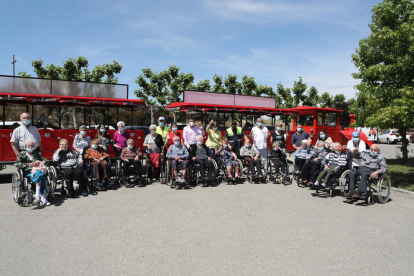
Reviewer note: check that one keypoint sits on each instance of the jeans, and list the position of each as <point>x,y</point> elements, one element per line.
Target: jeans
<point>364,172</point>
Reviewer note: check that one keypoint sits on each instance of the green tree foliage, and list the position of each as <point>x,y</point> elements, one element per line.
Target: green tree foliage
<point>232,85</point>
<point>165,87</point>
<point>325,100</point>
<point>76,70</point>
<point>218,85</point>
<point>298,91</point>
<point>385,61</point>
<point>311,98</point>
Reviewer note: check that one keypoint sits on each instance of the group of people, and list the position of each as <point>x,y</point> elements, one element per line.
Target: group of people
<point>188,148</point>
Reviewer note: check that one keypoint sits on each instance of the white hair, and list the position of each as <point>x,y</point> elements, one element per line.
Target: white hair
<point>25,145</point>
<point>120,123</point>
<point>199,137</point>
<point>259,120</point>
<point>82,127</point>
<point>336,144</point>
<point>305,141</point>
<point>152,126</point>
<point>320,143</point>
<point>130,141</point>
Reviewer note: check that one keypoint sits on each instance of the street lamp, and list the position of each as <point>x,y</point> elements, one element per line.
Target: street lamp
<point>13,62</point>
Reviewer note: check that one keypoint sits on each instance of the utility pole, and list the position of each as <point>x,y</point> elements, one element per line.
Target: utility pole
<point>13,62</point>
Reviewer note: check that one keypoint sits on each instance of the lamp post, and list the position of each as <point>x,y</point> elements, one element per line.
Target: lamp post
<point>13,62</point>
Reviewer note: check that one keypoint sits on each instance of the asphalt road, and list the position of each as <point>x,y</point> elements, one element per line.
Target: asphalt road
<point>246,229</point>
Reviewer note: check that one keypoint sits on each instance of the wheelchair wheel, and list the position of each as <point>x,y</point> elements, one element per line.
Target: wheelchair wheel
<point>16,186</point>
<point>384,188</point>
<point>163,172</point>
<point>241,166</point>
<point>343,182</point>
<point>52,176</point>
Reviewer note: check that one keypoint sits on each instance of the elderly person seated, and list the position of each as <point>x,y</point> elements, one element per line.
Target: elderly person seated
<point>155,145</point>
<point>332,163</point>
<point>301,153</point>
<point>70,163</point>
<point>201,155</point>
<point>229,159</point>
<point>130,156</point>
<point>29,160</point>
<point>313,163</point>
<point>251,155</point>
<point>278,157</point>
<point>372,164</point>
<point>178,153</point>
<point>81,141</point>
<point>99,160</point>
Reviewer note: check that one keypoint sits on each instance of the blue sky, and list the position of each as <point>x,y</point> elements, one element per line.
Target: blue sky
<point>273,41</point>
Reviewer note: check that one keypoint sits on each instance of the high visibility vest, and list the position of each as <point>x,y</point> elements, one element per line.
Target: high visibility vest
<point>163,135</point>
<point>239,134</point>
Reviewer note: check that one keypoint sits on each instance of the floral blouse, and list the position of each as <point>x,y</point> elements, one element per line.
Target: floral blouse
<point>94,153</point>
<point>23,159</point>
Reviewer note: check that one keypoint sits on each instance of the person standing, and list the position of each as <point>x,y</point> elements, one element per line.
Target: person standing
<point>190,133</point>
<point>299,136</point>
<point>279,136</point>
<point>259,135</point>
<point>120,138</point>
<point>162,130</point>
<point>214,136</point>
<point>25,133</point>
<point>234,134</point>
<point>104,140</point>
<point>173,132</point>
<point>45,124</point>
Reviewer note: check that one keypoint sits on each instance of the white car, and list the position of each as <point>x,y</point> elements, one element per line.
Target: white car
<point>390,136</point>
<point>96,127</point>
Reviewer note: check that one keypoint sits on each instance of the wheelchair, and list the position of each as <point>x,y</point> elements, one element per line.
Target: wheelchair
<point>381,186</point>
<point>58,177</point>
<point>196,174</point>
<point>169,177</point>
<point>246,171</point>
<point>90,179</point>
<point>332,181</point>
<point>297,173</point>
<point>278,178</point>
<point>221,173</point>
<point>131,180</point>
<point>23,188</point>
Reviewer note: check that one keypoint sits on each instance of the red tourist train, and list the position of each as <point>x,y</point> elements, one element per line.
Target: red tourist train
<point>69,104</point>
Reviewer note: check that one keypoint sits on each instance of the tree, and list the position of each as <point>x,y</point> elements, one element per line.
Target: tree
<point>218,84</point>
<point>298,91</point>
<point>232,85</point>
<point>385,61</point>
<point>325,100</point>
<point>165,87</point>
<point>311,98</point>
<point>76,70</point>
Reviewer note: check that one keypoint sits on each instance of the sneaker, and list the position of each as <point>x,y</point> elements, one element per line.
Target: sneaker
<point>111,183</point>
<point>46,203</point>
<point>321,188</point>
<point>84,194</point>
<point>36,199</point>
<point>99,184</point>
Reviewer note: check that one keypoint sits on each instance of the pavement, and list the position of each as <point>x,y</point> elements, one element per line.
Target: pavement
<point>245,229</point>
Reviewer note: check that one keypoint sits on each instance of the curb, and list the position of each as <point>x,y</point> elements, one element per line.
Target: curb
<point>402,191</point>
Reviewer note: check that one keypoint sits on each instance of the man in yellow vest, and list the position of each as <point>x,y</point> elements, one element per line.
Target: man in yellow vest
<point>235,136</point>
<point>162,129</point>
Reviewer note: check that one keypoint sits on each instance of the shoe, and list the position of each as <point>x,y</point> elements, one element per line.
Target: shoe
<point>321,188</point>
<point>36,199</point>
<point>349,194</point>
<point>111,183</point>
<point>46,203</point>
<point>99,184</point>
<point>71,195</point>
<point>357,194</point>
<point>84,194</point>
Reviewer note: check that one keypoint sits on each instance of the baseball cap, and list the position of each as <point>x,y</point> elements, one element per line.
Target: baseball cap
<point>234,123</point>
<point>161,119</point>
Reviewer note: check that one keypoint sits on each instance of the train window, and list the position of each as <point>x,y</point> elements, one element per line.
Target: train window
<point>43,112</point>
<point>320,116</point>
<point>330,119</point>
<point>306,120</point>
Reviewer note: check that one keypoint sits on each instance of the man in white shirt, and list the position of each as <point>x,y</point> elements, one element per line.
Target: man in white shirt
<point>259,135</point>
<point>24,133</point>
<point>354,148</point>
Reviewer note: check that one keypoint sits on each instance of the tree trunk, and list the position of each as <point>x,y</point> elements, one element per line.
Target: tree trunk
<point>404,144</point>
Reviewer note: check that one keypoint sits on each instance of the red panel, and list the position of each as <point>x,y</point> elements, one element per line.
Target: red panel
<point>6,152</point>
<point>50,142</point>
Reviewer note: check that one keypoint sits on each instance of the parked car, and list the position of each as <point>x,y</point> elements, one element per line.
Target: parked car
<point>412,137</point>
<point>391,136</point>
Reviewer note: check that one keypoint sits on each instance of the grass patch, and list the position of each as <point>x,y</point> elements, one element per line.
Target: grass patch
<point>401,173</point>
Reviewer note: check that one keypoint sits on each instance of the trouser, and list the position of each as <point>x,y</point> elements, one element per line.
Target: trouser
<point>326,172</point>
<point>299,163</point>
<point>254,163</point>
<point>136,170</point>
<point>279,165</point>
<point>203,164</point>
<point>69,173</point>
<point>364,172</point>
<point>236,150</point>
<point>263,156</point>
<point>105,168</point>
<point>39,176</point>
<point>309,170</point>
<point>174,164</point>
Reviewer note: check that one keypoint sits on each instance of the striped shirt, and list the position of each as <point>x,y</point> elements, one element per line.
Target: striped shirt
<point>24,134</point>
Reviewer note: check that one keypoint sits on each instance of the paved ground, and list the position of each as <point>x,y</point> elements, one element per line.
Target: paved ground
<point>247,229</point>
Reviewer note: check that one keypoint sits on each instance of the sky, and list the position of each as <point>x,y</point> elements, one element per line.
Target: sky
<point>274,41</point>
